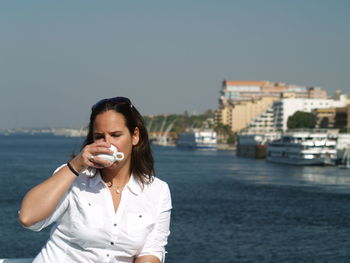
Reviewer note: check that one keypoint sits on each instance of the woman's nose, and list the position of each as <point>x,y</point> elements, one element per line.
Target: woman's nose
<point>107,139</point>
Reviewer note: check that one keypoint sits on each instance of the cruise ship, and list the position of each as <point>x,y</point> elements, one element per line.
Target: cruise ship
<point>198,139</point>
<point>304,148</point>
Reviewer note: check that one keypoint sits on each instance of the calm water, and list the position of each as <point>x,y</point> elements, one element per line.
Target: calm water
<point>226,209</point>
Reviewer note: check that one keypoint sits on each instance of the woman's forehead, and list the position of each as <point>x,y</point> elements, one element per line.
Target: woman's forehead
<point>109,120</point>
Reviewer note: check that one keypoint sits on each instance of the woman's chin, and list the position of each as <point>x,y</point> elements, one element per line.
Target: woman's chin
<point>112,166</point>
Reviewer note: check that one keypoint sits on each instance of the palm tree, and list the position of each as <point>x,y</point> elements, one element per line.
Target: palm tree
<point>224,133</point>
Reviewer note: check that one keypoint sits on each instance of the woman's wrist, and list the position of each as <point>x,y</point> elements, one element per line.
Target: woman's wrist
<point>75,165</point>
<point>71,168</point>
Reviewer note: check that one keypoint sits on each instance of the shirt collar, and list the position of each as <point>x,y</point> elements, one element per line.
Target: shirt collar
<point>95,178</point>
<point>133,184</point>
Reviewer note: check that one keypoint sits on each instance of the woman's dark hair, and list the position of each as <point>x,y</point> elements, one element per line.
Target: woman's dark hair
<point>142,164</point>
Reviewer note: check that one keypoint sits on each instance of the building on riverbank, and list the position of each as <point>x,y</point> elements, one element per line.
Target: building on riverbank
<point>242,113</point>
<point>342,118</point>
<point>286,107</point>
<point>336,118</point>
<point>248,104</point>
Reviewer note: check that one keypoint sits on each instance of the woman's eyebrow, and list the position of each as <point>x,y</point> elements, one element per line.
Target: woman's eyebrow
<point>109,132</point>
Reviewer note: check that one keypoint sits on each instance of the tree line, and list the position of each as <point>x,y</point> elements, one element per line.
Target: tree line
<point>178,123</point>
<point>307,120</point>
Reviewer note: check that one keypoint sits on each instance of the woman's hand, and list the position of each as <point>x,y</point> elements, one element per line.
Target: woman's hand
<point>87,157</point>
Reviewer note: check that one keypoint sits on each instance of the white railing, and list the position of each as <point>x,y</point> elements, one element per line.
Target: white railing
<point>16,260</point>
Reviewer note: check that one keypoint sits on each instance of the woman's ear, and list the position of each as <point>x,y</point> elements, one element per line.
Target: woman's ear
<point>136,136</point>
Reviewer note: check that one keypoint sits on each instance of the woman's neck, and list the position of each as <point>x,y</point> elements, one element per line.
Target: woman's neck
<point>119,176</point>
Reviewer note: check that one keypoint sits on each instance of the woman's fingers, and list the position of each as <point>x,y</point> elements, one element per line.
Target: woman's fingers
<point>100,163</point>
<point>90,151</point>
<point>87,157</point>
<point>94,150</point>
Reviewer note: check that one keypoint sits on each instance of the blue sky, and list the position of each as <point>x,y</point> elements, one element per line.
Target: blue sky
<point>58,58</point>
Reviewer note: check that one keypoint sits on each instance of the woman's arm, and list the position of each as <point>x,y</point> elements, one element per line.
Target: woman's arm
<point>153,250</point>
<point>41,201</point>
<point>147,259</point>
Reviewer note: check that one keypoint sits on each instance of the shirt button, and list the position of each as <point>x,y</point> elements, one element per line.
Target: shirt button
<point>107,255</point>
<point>112,243</point>
<point>115,225</point>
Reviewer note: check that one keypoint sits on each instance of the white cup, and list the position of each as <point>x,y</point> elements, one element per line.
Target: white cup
<point>116,156</point>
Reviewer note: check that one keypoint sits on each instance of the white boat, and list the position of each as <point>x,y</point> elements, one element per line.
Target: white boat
<point>163,138</point>
<point>198,139</point>
<point>345,160</point>
<point>304,148</point>
<point>163,141</point>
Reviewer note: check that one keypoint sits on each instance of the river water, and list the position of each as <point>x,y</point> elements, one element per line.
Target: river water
<point>225,208</point>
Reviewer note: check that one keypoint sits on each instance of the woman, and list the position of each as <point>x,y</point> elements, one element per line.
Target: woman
<point>103,211</point>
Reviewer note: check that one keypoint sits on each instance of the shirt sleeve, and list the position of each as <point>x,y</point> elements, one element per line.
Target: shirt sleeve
<point>158,237</point>
<point>57,213</point>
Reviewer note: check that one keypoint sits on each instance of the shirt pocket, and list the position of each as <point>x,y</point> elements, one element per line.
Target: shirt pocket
<point>139,224</point>
<point>89,214</point>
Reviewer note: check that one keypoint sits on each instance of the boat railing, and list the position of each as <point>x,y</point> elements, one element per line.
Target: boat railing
<point>16,260</point>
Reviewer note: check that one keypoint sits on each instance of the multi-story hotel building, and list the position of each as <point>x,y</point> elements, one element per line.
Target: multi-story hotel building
<point>245,104</point>
<point>242,113</point>
<point>263,123</point>
<point>286,107</point>
<point>246,90</point>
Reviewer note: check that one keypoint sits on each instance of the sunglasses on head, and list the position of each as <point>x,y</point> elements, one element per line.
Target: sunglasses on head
<point>115,100</point>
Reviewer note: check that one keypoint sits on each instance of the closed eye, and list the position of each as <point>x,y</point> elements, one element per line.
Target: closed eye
<point>98,137</point>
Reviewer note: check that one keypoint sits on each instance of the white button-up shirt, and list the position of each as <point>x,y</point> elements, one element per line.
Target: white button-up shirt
<point>87,229</point>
